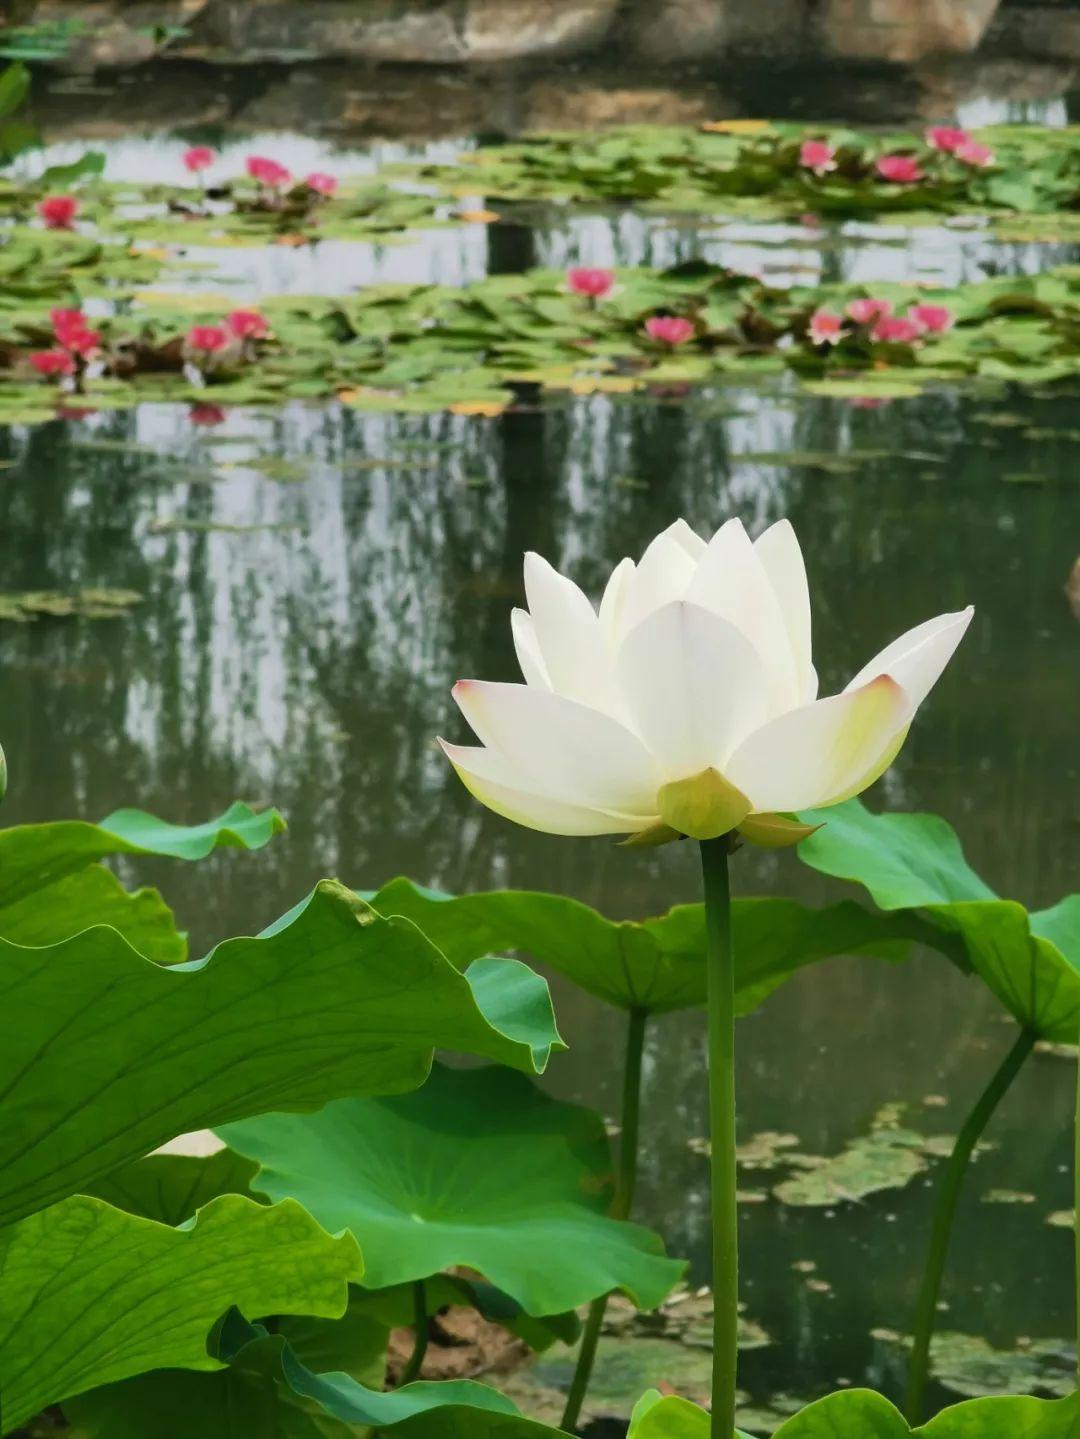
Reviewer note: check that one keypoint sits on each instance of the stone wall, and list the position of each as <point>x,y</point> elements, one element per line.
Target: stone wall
<point>124,33</point>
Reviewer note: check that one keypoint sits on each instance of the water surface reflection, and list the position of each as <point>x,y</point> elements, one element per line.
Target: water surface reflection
<point>305,656</point>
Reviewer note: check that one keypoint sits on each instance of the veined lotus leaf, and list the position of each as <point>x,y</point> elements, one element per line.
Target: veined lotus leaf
<point>862,1414</point>
<point>107,1055</point>
<point>35,855</point>
<point>914,862</point>
<point>656,965</point>
<point>270,1390</point>
<point>93,896</point>
<point>171,1187</point>
<point>91,1294</point>
<point>479,1168</point>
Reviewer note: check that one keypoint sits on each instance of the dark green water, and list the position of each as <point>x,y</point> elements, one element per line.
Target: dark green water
<point>308,662</point>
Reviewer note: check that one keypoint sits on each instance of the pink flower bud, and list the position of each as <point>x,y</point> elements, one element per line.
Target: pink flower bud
<point>58,211</point>
<point>669,329</point>
<point>322,184</point>
<point>199,157</point>
<point>867,312</point>
<point>896,330</point>
<point>934,319</point>
<point>898,169</point>
<point>73,333</point>
<point>946,138</point>
<point>818,156</point>
<point>825,328</point>
<point>594,284</point>
<point>53,363</point>
<point>207,339</point>
<point>247,324</point>
<point>972,153</point>
<point>206,414</point>
<point>267,172</point>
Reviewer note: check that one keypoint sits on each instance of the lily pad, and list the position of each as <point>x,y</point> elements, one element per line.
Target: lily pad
<point>968,1364</point>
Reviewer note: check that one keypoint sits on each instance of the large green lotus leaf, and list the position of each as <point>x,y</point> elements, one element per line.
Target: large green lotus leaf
<point>89,1294</point>
<point>35,855</point>
<point>270,1391</point>
<point>479,1168</point>
<point>655,965</point>
<point>171,1187</point>
<point>914,862</point>
<point>105,1055</point>
<point>863,1414</point>
<point>95,896</point>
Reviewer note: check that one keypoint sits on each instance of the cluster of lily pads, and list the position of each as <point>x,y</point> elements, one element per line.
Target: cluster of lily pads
<point>768,169</point>
<point>479,347</point>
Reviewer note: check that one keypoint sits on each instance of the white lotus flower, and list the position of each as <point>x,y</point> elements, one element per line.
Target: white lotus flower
<point>688,705</point>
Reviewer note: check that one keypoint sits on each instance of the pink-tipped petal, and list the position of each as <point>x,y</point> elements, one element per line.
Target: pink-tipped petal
<point>916,660</point>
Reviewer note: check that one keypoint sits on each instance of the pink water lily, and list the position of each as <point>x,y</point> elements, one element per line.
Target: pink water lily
<point>934,319</point>
<point>248,324</point>
<point>898,169</point>
<point>825,328</point>
<point>73,333</point>
<point>594,284</point>
<point>669,330</point>
<point>199,158</point>
<point>321,183</point>
<point>946,137</point>
<point>206,415</point>
<point>897,330</point>
<point>267,172</point>
<point>688,704</point>
<point>867,312</point>
<point>972,153</point>
<point>818,156</point>
<point>53,364</point>
<point>207,339</point>
<point>58,211</point>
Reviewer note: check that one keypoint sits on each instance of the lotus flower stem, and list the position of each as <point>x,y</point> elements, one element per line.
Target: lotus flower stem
<point>945,1212</point>
<point>420,1335</point>
<point>1076,1228</point>
<point>620,1208</point>
<point>725,1220</point>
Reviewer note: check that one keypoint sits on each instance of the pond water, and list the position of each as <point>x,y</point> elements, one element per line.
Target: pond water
<point>315,579</point>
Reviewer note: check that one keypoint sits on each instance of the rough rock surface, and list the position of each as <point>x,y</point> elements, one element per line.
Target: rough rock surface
<point>904,31</point>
